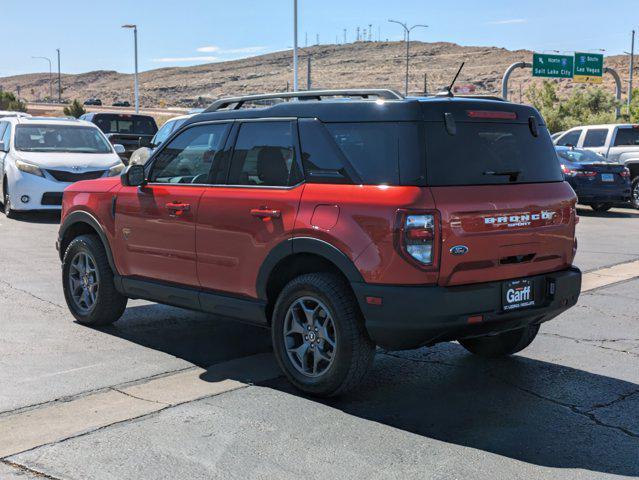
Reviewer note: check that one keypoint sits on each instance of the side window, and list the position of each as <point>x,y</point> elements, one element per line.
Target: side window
<point>323,162</point>
<point>627,137</point>
<point>570,139</point>
<point>7,135</point>
<point>189,156</point>
<point>264,155</point>
<point>163,133</point>
<point>3,125</point>
<point>596,137</point>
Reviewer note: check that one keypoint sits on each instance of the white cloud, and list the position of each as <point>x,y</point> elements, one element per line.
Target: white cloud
<point>208,49</point>
<point>202,58</point>
<point>511,21</point>
<point>231,51</point>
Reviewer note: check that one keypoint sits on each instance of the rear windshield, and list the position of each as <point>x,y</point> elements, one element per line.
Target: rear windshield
<point>489,153</point>
<point>126,124</point>
<point>627,137</point>
<point>60,138</point>
<point>582,156</point>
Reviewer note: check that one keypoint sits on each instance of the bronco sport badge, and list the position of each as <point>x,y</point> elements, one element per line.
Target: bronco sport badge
<point>521,220</point>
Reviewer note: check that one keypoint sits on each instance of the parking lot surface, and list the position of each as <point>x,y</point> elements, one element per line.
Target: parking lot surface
<point>167,393</point>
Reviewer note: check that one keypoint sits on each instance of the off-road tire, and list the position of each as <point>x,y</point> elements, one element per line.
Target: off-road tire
<point>502,345</point>
<point>109,304</point>
<point>354,350</point>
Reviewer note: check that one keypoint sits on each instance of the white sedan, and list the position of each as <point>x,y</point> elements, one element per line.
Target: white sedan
<point>40,157</point>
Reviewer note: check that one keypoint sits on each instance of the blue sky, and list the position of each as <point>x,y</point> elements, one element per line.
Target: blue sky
<point>188,32</point>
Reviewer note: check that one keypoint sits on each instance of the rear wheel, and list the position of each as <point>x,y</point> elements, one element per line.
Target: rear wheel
<point>8,209</point>
<point>601,207</point>
<point>87,281</point>
<point>504,344</point>
<point>635,193</point>
<point>319,337</point>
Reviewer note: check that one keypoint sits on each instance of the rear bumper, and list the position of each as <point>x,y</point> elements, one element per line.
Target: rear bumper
<point>410,317</point>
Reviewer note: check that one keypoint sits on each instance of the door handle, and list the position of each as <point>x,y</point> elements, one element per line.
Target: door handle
<point>176,209</point>
<point>265,213</point>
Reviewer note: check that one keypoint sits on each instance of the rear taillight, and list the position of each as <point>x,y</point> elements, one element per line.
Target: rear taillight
<point>625,173</point>
<point>491,114</point>
<point>418,234</point>
<point>569,172</point>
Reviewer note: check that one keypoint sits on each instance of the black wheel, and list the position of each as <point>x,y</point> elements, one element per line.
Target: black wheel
<point>601,207</point>
<point>504,344</point>
<point>6,202</point>
<point>87,281</point>
<point>635,193</point>
<point>319,337</point>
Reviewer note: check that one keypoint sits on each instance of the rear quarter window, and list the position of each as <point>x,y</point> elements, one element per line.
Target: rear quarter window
<point>627,137</point>
<point>489,154</point>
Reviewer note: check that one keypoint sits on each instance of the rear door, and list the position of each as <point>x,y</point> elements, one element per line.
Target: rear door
<point>596,140</point>
<point>155,224</point>
<point>624,145</point>
<point>501,195</point>
<point>243,217</point>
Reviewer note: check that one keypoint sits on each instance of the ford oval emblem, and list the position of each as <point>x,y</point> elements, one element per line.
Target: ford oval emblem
<point>459,250</point>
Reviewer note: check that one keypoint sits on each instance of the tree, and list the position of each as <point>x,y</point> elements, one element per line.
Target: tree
<point>8,101</point>
<point>74,110</point>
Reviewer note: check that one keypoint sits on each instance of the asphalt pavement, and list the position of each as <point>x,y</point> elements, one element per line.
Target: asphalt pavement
<point>167,393</point>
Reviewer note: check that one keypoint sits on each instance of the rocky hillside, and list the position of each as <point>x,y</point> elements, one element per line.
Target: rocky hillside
<point>361,64</point>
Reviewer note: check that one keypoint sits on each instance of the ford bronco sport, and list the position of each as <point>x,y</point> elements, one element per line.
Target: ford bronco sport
<point>342,224</point>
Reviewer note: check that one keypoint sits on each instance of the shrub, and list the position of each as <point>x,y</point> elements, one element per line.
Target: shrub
<point>75,109</point>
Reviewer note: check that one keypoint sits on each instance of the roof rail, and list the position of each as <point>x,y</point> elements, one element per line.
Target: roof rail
<point>235,103</point>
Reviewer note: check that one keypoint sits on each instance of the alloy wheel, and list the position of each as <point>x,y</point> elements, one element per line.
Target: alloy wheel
<point>309,336</point>
<point>635,195</point>
<point>84,282</point>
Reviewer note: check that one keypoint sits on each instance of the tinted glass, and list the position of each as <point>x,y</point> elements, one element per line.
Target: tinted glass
<point>264,155</point>
<point>163,133</point>
<point>627,137</point>
<point>581,156</point>
<point>570,138</point>
<point>60,138</point>
<point>188,158</point>
<point>126,124</point>
<point>489,154</point>
<point>595,137</point>
<point>3,125</point>
<point>323,162</point>
<point>7,135</point>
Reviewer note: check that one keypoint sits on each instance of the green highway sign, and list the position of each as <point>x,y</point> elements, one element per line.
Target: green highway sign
<point>552,66</point>
<point>589,67</point>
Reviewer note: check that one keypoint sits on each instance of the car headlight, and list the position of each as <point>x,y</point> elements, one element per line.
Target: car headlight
<point>116,170</point>
<point>28,168</point>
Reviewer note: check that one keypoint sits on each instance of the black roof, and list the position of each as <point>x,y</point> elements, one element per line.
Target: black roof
<point>404,110</point>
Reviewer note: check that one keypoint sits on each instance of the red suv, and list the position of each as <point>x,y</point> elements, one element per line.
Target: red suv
<point>342,224</point>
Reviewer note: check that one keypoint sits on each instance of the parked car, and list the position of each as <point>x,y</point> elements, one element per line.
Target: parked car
<point>556,135</point>
<point>121,103</point>
<point>12,113</point>
<point>618,143</point>
<point>93,101</point>
<point>40,157</point>
<point>142,154</point>
<point>598,182</point>
<point>342,225</point>
<point>132,131</point>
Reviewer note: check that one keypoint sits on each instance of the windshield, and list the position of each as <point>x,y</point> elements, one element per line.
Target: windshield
<point>126,124</point>
<point>582,156</point>
<point>60,138</point>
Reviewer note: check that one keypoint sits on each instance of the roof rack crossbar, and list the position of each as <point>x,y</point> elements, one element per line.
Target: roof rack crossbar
<point>235,103</point>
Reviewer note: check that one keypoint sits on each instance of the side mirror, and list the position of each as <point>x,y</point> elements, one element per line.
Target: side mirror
<point>140,156</point>
<point>133,176</point>
<point>119,149</point>
<point>144,142</point>
<point>3,148</point>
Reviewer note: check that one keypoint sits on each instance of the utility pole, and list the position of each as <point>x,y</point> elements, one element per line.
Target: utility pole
<point>309,82</point>
<point>135,81</point>
<point>345,36</point>
<point>632,69</point>
<point>306,39</point>
<point>295,77</point>
<point>50,80</point>
<point>357,38</point>
<point>425,83</point>
<point>59,78</point>
<point>407,31</point>
<point>317,39</point>
<point>370,32</point>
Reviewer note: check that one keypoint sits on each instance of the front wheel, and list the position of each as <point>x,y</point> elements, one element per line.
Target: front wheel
<point>601,207</point>
<point>635,193</point>
<point>501,345</point>
<point>8,208</point>
<point>87,281</point>
<point>319,337</point>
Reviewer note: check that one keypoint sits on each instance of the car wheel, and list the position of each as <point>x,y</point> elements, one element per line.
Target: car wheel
<point>601,207</point>
<point>504,344</point>
<point>319,337</point>
<point>635,193</point>
<point>6,201</point>
<point>87,281</point>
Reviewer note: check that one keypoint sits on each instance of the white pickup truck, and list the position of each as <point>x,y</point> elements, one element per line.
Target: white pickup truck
<point>618,143</point>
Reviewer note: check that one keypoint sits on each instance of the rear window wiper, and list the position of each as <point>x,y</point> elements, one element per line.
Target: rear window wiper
<point>512,175</point>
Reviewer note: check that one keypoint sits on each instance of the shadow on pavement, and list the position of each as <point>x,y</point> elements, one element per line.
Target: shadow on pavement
<point>615,213</point>
<point>528,410</point>
<point>50,217</point>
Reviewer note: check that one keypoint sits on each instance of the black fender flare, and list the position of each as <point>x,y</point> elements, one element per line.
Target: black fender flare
<point>310,245</point>
<point>81,216</point>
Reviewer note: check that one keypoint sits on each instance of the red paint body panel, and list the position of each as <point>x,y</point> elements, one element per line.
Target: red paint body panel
<point>232,242</point>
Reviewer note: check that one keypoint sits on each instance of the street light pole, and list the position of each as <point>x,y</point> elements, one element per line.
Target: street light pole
<point>59,78</point>
<point>632,68</point>
<point>50,83</point>
<point>295,73</point>
<point>135,81</point>
<point>407,31</point>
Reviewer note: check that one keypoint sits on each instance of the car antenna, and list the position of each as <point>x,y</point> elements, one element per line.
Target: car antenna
<point>448,91</point>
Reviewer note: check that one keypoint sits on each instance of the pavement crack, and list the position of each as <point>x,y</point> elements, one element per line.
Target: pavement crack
<point>138,398</point>
<point>32,295</point>
<point>619,399</point>
<point>593,342</point>
<point>31,471</point>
